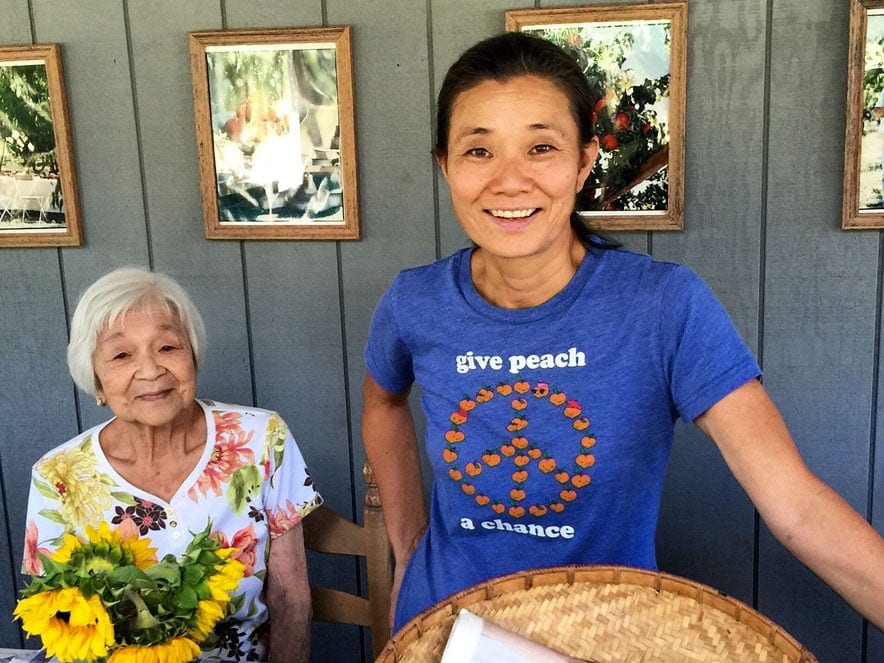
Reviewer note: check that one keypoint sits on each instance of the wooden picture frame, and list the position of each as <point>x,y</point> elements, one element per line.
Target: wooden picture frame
<point>39,198</point>
<point>276,133</point>
<point>863,197</point>
<point>637,182</point>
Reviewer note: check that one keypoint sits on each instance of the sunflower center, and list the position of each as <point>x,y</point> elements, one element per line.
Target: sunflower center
<point>99,565</point>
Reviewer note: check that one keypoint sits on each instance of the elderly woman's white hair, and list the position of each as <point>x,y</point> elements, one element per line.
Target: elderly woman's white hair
<point>115,294</point>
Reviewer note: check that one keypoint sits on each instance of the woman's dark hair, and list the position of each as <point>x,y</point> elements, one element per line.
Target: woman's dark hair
<point>507,56</point>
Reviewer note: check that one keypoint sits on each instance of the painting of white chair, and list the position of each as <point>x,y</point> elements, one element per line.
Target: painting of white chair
<point>35,194</point>
<point>8,200</point>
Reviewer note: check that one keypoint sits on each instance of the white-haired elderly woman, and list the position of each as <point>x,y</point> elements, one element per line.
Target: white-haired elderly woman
<point>167,463</point>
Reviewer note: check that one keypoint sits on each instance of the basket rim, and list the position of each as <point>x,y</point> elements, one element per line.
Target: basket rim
<point>703,594</point>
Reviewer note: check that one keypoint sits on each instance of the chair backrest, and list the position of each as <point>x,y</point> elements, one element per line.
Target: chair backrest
<point>25,189</point>
<point>7,190</point>
<point>325,531</point>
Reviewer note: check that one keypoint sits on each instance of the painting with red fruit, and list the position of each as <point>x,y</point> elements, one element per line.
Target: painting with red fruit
<point>862,204</point>
<point>633,58</point>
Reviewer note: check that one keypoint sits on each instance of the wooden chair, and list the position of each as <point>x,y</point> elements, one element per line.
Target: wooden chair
<point>325,531</point>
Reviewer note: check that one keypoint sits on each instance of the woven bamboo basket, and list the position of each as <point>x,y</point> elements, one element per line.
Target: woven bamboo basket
<point>606,613</point>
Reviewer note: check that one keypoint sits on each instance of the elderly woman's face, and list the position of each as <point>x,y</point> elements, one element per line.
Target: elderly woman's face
<point>145,369</point>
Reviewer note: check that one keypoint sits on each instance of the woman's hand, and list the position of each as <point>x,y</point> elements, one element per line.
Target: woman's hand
<point>398,575</point>
<point>288,598</point>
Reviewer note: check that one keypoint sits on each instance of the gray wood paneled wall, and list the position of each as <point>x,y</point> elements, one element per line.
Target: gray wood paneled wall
<point>287,320</point>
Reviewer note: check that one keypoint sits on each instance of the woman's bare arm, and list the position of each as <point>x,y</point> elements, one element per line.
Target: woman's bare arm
<point>804,514</point>
<point>391,448</point>
<point>288,598</point>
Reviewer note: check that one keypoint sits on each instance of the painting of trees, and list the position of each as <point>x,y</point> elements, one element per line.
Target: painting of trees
<point>27,139</point>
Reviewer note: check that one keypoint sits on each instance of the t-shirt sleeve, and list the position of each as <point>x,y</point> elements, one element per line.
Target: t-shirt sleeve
<point>706,359</point>
<point>387,357</point>
<point>289,493</point>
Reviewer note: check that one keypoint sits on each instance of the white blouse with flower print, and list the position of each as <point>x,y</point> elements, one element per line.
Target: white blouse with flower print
<point>251,483</point>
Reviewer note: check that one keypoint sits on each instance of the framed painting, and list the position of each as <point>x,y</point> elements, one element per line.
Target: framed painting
<point>276,133</point>
<point>863,198</point>
<point>634,57</point>
<point>39,199</point>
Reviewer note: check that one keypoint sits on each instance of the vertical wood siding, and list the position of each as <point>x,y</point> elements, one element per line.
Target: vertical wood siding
<point>287,321</point>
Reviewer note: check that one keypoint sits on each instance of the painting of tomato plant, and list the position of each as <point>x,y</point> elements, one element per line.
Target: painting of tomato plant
<point>863,199</point>
<point>633,58</point>
<point>871,184</point>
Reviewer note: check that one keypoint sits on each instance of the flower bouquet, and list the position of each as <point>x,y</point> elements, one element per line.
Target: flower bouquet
<point>108,598</point>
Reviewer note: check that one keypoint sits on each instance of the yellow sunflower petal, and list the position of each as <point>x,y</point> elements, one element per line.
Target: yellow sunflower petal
<point>124,655</point>
<point>177,650</point>
<point>142,553</point>
<point>225,579</point>
<point>83,633</point>
<point>63,553</point>
<point>34,613</point>
<point>102,533</point>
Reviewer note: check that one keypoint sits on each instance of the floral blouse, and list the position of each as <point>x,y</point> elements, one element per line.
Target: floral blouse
<point>251,484</point>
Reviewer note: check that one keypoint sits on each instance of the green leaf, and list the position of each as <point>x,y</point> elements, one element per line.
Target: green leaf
<point>50,566</point>
<point>45,489</point>
<point>54,515</point>
<point>236,603</point>
<point>186,598</point>
<point>132,575</point>
<point>244,483</point>
<point>124,498</point>
<point>193,575</point>
<point>208,558</point>
<point>168,571</point>
<point>253,609</point>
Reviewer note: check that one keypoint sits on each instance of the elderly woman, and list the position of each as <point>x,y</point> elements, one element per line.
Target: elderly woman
<point>167,464</point>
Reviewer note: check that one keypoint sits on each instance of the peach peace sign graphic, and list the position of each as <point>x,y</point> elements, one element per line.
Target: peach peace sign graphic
<point>517,454</point>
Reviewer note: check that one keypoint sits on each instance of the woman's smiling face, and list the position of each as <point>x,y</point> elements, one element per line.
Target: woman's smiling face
<point>514,166</point>
<point>145,367</point>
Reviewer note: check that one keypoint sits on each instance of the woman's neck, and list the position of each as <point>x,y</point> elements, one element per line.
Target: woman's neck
<point>525,282</point>
<point>156,459</point>
<point>133,442</point>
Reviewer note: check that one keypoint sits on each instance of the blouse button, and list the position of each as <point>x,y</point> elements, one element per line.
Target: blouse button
<point>173,523</point>
<point>176,535</point>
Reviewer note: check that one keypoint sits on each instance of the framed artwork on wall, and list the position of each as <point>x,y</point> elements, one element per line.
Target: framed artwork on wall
<point>634,57</point>
<point>276,133</point>
<point>39,199</point>
<point>863,197</point>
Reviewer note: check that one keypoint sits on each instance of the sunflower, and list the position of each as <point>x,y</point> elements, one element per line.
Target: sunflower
<point>127,606</point>
<point>226,577</point>
<point>208,613</point>
<point>71,626</point>
<point>176,650</point>
<point>104,550</point>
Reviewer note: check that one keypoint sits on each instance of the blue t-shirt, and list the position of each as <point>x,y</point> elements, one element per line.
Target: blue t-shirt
<point>549,428</point>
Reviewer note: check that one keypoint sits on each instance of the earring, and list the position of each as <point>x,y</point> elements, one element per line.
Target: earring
<point>100,401</point>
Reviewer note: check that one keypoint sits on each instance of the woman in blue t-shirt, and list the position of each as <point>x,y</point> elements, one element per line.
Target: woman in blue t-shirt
<point>553,365</point>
